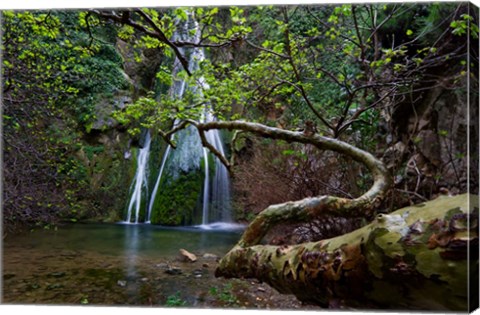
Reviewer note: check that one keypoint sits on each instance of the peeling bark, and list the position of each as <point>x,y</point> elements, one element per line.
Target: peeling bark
<point>414,258</point>
<point>309,208</point>
<point>417,257</point>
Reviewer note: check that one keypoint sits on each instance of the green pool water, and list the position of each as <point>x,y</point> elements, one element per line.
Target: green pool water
<point>120,264</point>
<point>130,239</point>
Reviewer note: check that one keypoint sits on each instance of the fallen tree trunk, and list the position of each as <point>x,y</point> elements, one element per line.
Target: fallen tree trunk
<point>418,257</point>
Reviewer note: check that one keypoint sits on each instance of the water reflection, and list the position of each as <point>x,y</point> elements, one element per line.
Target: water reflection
<point>133,240</point>
<point>111,263</point>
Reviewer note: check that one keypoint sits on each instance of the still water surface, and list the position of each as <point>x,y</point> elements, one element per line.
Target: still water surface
<point>121,264</point>
<point>132,239</point>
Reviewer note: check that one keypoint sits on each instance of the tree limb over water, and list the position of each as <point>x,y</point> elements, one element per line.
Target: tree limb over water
<point>309,208</point>
<point>417,257</point>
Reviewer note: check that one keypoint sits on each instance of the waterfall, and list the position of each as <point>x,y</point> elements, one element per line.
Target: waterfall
<point>139,181</point>
<point>221,204</point>
<point>186,158</point>
<point>206,190</point>
<point>216,194</point>
<point>216,200</point>
<point>157,183</point>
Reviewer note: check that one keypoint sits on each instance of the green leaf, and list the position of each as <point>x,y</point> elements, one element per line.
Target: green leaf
<point>181,14</point>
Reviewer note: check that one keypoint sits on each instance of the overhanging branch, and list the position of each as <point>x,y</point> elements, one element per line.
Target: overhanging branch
<point>309,208</point>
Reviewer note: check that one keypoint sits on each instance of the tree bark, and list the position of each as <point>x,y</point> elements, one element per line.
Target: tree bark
<point>418,257</point>
<point>309,208</point>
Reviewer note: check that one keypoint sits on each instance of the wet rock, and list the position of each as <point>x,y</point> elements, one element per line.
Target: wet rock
<point>56,274</point>
<point>54,286</point>
<point>210,256</point>
<point>122,283</point>
<point>162,265</point>
<point>205,265</point>
<point>197,273</point>
<point>68,253</point>
<point>8,276</point>
<point>173,271</point>
<point>33,286</point>
<point>187,256</point>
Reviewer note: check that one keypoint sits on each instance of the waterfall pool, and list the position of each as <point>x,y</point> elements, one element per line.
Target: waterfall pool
<point>122,264</point>
<point>123,239</point>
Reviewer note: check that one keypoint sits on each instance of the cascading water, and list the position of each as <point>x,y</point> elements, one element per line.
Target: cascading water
<point>216,195</point>
<point>157,183</point>
<point>177,164</point>
<point>220,196</point>
<point>139,184</point>
<point>216,200</point>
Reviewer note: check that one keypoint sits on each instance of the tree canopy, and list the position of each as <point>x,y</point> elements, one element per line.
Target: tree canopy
<point>361,80</point>
<point>336,65</point>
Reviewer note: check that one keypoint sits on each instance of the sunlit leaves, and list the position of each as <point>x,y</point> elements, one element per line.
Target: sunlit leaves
<point>236,15</point>
<point>328,57</point>
<point>181,14</point>
<point>164,76</point>
<point>460,27</point>
<point>150,42</point>
<point>206,17</point>
<point>152,13</point>
<point>238,29</point>
<point>54,73</point>
<point>125,32</point>
<point>345,10</point>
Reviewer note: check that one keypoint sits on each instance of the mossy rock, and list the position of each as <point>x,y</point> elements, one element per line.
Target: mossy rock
<point>178,202</point>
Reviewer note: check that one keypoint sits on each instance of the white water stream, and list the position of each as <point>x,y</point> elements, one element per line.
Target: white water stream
<point>140,182</point>
<point>216,208</point>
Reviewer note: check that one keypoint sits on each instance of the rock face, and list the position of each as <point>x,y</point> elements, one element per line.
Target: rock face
<point>140,67</point>
<point>108,173</point>
<point>427,143</point>
<point>109,154</point>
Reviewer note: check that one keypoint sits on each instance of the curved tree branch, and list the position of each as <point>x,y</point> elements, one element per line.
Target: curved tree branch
<point>176,127</point>
<point>161,36</point>
<point>212,149</point>
<point>308,208</point>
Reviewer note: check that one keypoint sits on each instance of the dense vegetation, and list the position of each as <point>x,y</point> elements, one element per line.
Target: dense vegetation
<point>352,72</point>
<point>388,86</point>
<point>54,74</point>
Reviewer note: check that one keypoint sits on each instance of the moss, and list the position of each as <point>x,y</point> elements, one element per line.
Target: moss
<point>157,151</point>
<point>373,252</point>
<point>392,262</point>
<point>178,202</point>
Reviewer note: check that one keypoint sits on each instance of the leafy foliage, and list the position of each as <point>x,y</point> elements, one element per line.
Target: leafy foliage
<point>341,68</point>
<point>329,64</point>
<point>175,301</point>
<point>52,78</point>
